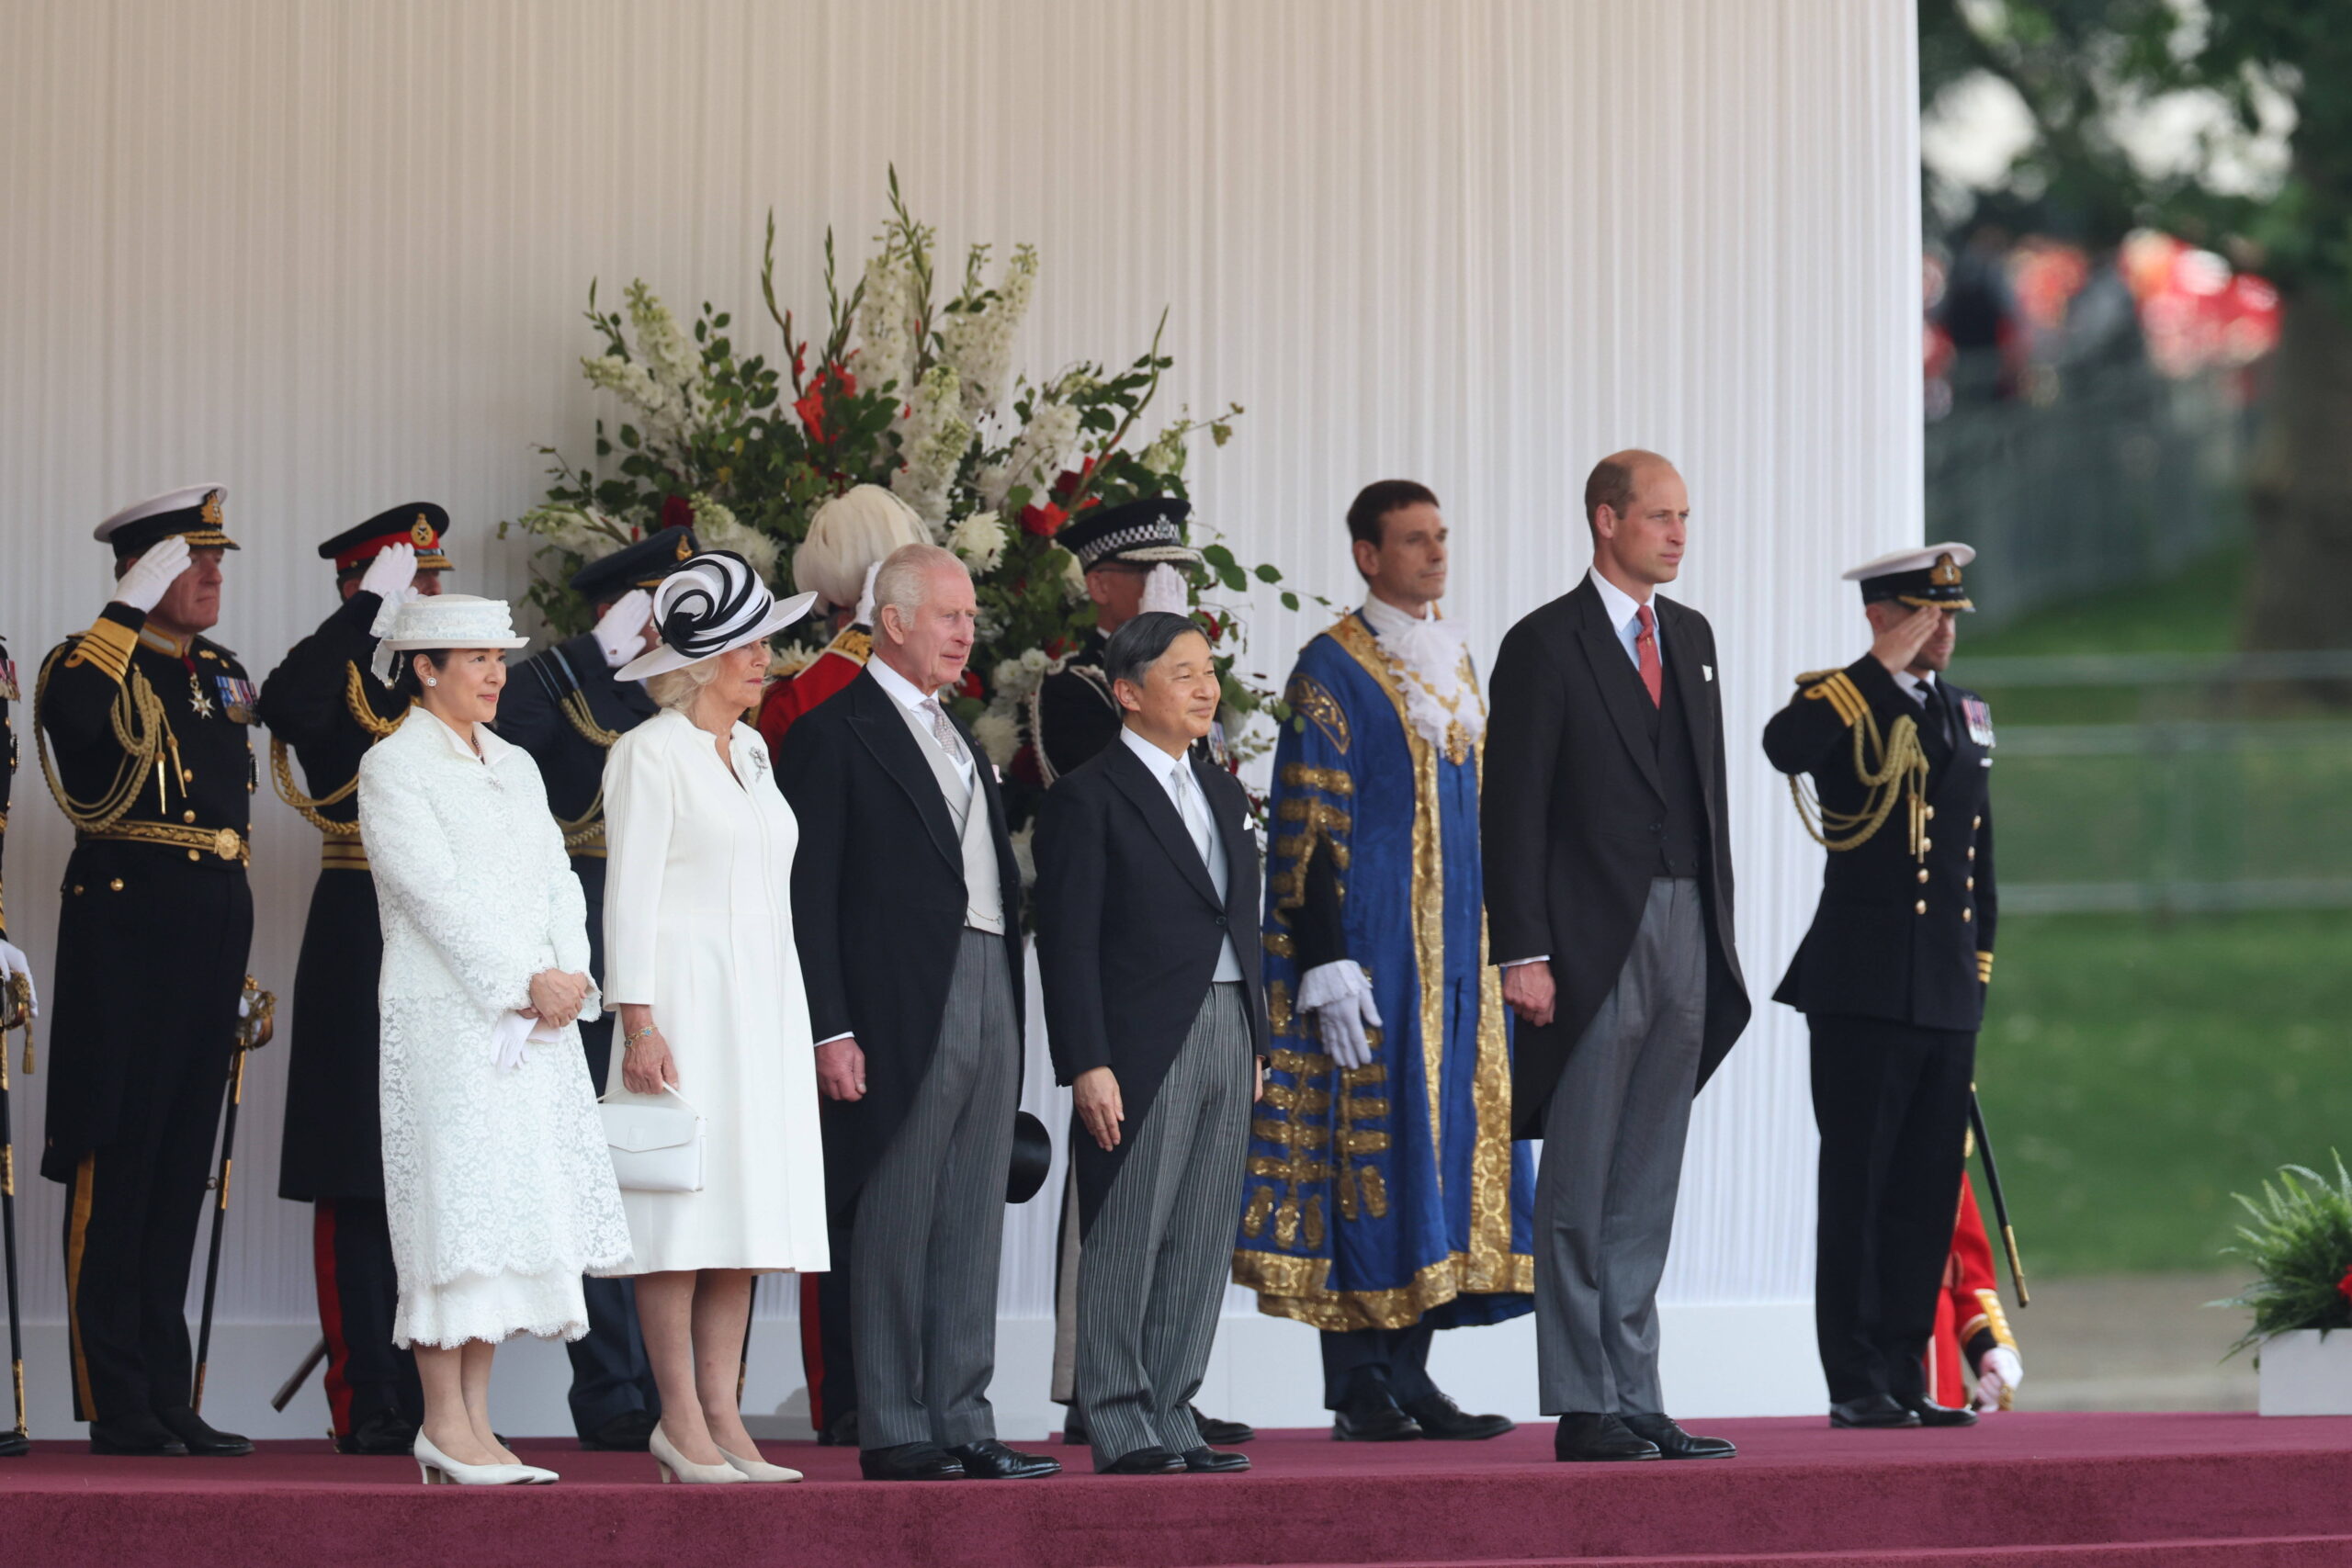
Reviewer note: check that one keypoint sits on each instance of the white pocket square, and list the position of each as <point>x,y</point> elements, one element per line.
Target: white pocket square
<point>1708,670</point>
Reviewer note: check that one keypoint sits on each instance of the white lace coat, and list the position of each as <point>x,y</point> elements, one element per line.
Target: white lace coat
<point>496,1181</point>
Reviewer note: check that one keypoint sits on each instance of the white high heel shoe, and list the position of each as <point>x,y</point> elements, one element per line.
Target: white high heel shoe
<point>759,1469</point>
<point>675,1466</point>
<point>437,1468</point>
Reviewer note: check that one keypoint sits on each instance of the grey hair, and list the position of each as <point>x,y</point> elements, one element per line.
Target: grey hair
<point>676,689</point>
<point>905,578</point>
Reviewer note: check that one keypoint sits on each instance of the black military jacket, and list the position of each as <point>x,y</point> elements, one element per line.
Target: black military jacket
<point>187,791</point>
<point>1073,716</point>
<point>565,708</point>
<point>1897,936</point>
<point>325,704</point>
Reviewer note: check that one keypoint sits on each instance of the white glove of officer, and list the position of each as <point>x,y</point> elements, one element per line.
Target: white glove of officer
<point>150,577</point>
<point>393,569</point>
<point>620,630</point>
<point>1997,1377</point>
<point>1341,999</point>
<point>14,962</point>
<point>1165,589</point>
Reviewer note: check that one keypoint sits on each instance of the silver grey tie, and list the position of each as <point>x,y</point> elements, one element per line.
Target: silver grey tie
<point>943,731</point>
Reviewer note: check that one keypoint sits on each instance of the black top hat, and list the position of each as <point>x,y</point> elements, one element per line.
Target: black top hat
<point>641,565</point>
<point>417,523</point>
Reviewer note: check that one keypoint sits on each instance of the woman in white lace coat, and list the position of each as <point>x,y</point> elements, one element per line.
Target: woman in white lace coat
<point>496,1179</point>
<point>699,961</point>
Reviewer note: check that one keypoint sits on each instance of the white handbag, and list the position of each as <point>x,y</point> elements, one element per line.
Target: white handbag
<point>655,1149</point>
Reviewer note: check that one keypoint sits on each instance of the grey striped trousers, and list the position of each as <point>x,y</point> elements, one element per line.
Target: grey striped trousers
<point>1152,1275</point>
<point>930,1225</point>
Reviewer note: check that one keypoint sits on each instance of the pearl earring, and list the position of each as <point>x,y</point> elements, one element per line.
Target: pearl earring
<point>431,681</point>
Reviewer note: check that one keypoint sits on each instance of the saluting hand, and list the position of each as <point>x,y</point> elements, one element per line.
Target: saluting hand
<point>1099,1108</point>
<point>1900,644</point>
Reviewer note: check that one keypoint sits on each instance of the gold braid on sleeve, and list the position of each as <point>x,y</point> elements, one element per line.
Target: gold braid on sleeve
<point>363,712</point>
<point>281,774</point>
<point>1899,774</point>
<point>141,729</point>
<point>576,710</point>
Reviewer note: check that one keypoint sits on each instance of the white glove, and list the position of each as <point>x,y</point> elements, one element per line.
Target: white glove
<point>1997,1377</point>
<point>1341,999</point>
<point>620,630</point>
<point>393,569</point>
<point>1165,589</point>
<point>14,962</point>
<point>152,575</point>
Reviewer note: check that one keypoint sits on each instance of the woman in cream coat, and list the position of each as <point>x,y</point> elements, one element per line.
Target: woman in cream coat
<point>700,960</point>
<point>496,1180</point>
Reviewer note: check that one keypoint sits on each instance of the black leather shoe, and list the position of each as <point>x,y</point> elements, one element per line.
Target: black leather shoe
<point>135,1435</point>
<point>14,1445</point>
<point>1074,1430</point>
<point>1673,1442</point>
<point>841,1432</point>
<point>1206,1460</point>
<point>1930,1414</point>
<point>1143,1461</point>
<point>1225,1432</point>
<point>199,1437</point>
<point>1585,1439</point>
<point>989,1460</point>
<point>1440,1417</point>
<point>1373,1418</point>
<point>1875,1412</point>
<point>382,1435</point>
<point>627,1433</point>
<point>910,1461</point>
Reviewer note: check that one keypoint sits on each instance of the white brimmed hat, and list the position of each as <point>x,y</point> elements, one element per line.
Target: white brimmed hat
<point>712,604</point>
<point>446,620</point>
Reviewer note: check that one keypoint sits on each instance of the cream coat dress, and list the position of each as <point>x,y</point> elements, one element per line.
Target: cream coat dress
<point>698,924</point>
<point>496,1180</point>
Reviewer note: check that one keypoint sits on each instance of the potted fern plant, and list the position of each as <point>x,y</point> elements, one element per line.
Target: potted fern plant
<point>2300,1248</point>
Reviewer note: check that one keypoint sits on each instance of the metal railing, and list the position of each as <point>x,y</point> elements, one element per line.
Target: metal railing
<point>2204,781</point>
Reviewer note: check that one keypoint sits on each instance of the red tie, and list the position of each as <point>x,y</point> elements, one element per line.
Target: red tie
<point>1645,649</point>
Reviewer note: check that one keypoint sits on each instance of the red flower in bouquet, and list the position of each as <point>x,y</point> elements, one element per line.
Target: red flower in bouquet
<point>810,405</point>
<point>1043,521</point>
<point>677,512</point>
<point>2344,1286</point>
<point>969,686</point>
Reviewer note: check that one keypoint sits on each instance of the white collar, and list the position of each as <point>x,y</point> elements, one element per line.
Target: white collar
<point>903,692</point>
<point>1387,619</point>
<point>1152,756</point>
<point>494,748</point>
<point>1915,687</point>
<point>1616,603</point>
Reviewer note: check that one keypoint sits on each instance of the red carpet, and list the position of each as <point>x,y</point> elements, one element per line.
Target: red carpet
<point>2023,1491</point>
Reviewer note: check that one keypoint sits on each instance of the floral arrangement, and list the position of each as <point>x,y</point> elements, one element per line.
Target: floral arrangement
<point>912,388</point>
<point>2300,1245</point>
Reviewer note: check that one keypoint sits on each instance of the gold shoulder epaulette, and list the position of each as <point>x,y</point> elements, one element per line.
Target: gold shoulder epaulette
<point>108,644</point>
<point>1810,676</point>
<point>855,644</point>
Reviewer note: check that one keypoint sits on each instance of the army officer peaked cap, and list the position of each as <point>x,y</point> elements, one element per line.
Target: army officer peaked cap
<point>417,523</point>
<point>192,512</point>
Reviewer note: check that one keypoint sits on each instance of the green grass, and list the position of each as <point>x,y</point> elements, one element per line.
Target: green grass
<point>2193,611</point>
<point>2135,1074</point>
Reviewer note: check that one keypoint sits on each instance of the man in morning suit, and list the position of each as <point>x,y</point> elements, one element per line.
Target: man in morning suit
<point>142,723</point>
<point>1146,890</point>
<point>905,910</point>
<point>1893,974</point>
<point>1609,901</point>
<point>564,706</point>
<point>324,704</point>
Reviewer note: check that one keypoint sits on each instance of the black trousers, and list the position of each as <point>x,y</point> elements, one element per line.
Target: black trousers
<point>150,959</point>
<point>367,1376</point>
<point>1395,1358</point>
<point>1892,1104</point>
<point>611,1375</point>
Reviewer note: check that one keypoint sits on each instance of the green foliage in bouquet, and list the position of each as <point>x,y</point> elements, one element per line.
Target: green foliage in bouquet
<point>911,388</point>
<point>2300,1247</point>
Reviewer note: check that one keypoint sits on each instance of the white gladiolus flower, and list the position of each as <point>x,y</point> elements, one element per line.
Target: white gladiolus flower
<point>1165,456</point>
<point>936,435</point>
<point>999,736</point>
<point>978,344</point>
<point>718,529</point>
<point>1033,661</point>
<point>886,324</point>
<point>592,533</point>
<point>979,540</point>
<point>1038,452</point>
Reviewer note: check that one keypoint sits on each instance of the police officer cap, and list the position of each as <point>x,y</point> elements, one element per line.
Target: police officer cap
<point>1927,578</point>
<point>1144,532</point>
<point>417,523</point>
<point>641,565</point>
<point>193,512</point>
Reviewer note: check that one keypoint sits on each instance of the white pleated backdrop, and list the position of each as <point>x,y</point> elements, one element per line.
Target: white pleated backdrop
<point>333,256</point>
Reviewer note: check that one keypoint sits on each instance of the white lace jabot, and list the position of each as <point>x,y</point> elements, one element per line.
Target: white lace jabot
<point>1431,653</point>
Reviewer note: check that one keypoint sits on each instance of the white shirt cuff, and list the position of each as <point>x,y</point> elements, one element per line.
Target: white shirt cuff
<point>1515,962</point>
<point>844,1034</point>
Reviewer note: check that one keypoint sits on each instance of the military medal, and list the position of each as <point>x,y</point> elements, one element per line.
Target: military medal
<point>8,693</point>
<point>237,698</point>
<point>196,697</point>
<point>1980,720</point>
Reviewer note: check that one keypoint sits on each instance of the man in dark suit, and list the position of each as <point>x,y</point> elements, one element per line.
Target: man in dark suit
<point>1892,976</point>
<point>1146,870</point>
<point>906,908</point>
<point>1609,898</point>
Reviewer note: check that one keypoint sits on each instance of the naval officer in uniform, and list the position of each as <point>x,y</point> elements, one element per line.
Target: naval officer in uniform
<point>565,708</point>
<point>325,706</point>
<point>1892,976</point>
<point>142,723</point>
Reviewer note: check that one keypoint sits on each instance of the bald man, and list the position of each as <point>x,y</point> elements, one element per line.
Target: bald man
<point>1609,902</point>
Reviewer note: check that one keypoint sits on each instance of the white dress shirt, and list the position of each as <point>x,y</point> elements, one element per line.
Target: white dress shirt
<point>1917,687</point>
<point>913,699</point>
<point>1175,776</point>
<point>1624,619</point>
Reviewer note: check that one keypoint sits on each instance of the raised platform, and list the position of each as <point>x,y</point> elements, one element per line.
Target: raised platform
<point>2022,1491</point>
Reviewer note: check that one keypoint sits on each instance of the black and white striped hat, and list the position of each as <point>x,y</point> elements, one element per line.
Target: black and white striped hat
<point>712,604</point>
